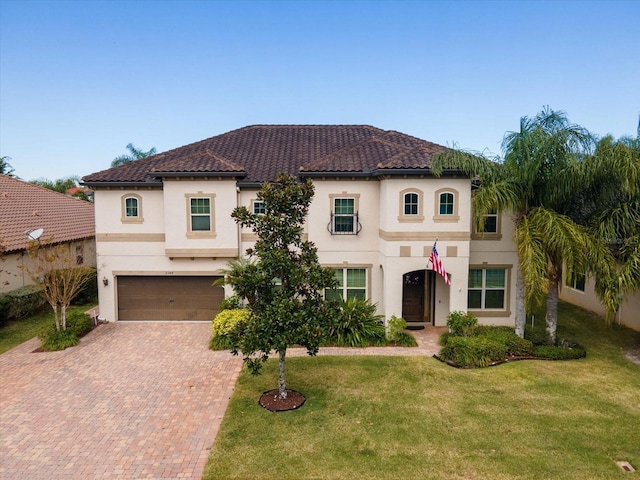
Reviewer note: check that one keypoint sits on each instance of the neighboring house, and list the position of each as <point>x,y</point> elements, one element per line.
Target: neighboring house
<point>25,208</point>
<point>164,230</point>
<point>580,291</point>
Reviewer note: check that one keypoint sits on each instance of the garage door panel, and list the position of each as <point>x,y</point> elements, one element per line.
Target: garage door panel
<point>168,298</point>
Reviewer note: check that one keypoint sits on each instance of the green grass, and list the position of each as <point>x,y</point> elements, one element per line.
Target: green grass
<point>19,331</point>
<point>417,418</point>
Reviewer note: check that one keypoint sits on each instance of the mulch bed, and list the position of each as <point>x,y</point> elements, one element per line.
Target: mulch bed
<point>271,400</point>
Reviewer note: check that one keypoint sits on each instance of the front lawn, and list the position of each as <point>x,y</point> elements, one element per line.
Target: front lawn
<point>18,331</point>
<point>417,418</point>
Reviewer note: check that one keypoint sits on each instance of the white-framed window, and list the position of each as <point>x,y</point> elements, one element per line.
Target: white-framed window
<point>576,281</point>
<point>411,203</point>
<point>446,203</point>
<point>352,283</point>
<point>446,206</point>
<point>490,224</point>
<point>487,289</point>
<point>200,215</point>
<point>258,207</point>
<point>131,205</point>
<point>344,214</point>
<point>411,208</point>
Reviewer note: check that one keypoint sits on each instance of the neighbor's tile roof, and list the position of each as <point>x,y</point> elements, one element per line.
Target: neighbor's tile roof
<point>258,153</point>
<point>25,207</point>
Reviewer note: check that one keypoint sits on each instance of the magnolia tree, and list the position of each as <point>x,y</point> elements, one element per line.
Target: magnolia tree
<point>54,268</point>
<point>283,281</point>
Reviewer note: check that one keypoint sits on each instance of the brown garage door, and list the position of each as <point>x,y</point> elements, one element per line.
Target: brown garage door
<point>168,298</point>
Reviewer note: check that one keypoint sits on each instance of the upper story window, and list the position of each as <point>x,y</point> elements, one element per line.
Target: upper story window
<point>576,281</point>
<point>200,215</point>
<point>258,207</point>
<point>344,215</point>
<point>487,288</point>
<point>446,204</point>
<point>131,206</point>
<point>491,228</point>
<point>352,283</point>
<point>411,204</point>
<point>411,209</point>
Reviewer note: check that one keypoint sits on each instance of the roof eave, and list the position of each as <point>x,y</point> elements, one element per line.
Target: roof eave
<point>123,184</point>
<point>201,174</point>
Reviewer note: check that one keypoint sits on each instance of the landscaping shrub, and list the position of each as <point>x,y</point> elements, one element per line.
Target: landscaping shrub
<point>4,310</point>
<point>356,325</point>
<point>461,324</point>
<point>467,352</point>
<point>54,340</point>
<point>24,301</point>
<point>233,302</point>
<point>506,335</point>
<point>396,326</point>
<point>551,352</point>
<point>224,325</point>
<point>79,323</point>
<point>405,339</point>
<point>89,292</point>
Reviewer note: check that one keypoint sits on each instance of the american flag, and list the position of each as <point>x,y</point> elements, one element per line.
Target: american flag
<point>436,264</point>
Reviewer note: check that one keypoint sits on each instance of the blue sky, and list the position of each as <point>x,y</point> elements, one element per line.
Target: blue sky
<point>79,80</point>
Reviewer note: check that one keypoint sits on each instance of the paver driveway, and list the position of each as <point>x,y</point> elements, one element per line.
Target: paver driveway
<point>131,401</point>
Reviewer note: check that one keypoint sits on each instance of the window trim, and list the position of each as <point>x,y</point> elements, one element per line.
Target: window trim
<point>494,312</point>
<point>446,218</point>
<point>348,266</point>
<point>254,201</point>
<point>497,235</point>
<point>410,218</point>
<point>356,208</point>
<point>201,233</point>
<point>123,207</point>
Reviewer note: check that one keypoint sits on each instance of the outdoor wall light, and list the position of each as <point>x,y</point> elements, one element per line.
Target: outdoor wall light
<point>105,281</point>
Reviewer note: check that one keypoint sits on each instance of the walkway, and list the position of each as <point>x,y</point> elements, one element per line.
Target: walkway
<point>132,401</point>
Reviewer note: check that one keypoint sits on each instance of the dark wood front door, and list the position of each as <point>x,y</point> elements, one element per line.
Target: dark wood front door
<point>413,297</point>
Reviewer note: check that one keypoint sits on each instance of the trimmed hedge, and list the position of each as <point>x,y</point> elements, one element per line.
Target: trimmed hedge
<point>469,352</point>
<point>490,345</point>
<point>24,301</point>
<point>551,352</point>
<point>223,326</point>
<point>5,307</point>
<point>516,346</point>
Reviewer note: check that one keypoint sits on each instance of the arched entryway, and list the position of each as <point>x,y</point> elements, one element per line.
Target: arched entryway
<point>418,292</point>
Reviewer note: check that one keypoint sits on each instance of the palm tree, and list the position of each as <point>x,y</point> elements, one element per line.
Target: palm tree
<point>540,170</point>
<point>134,154</point>
<point>610,207</point>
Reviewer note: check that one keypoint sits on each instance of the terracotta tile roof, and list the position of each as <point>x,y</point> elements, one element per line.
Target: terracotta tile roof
<point>258,153</point>
<point>25,207</point>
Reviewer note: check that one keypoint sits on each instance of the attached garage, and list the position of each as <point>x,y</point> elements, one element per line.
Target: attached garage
<point>168,298</point>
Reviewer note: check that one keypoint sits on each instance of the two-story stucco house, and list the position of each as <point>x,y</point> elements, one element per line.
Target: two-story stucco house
<point>164,229</point>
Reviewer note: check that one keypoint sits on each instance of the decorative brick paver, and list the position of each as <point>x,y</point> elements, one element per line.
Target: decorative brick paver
<point>132,401</point>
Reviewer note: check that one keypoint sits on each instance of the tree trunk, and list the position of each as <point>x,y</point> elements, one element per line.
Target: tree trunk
<point>282,389</point>
<point>55,315</point>
<point>552,310</point>
<point>521,316</point>
<point>63,309</point>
